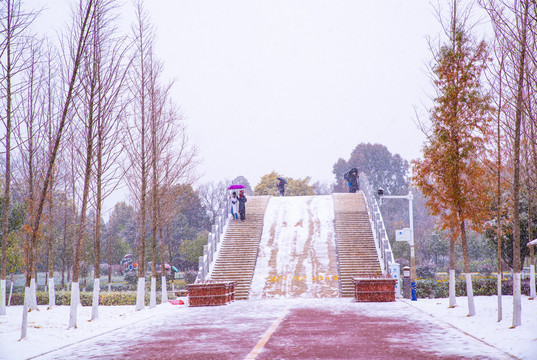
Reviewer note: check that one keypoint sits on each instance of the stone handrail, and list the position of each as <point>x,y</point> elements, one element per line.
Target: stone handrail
<point>387,262</point>
<point>213,241</point>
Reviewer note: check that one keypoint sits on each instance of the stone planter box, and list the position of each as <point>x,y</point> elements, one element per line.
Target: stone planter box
<point>211,294</point>
<point>374,290</point>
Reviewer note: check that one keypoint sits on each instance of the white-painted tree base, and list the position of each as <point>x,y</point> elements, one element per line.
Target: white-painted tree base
<point>3,297</point>
<point>75,299</point>
<point>33,295</point>
<point>51,293</point>
<point>499,292</point>
<point>153,296</point>
<point>452,295</point>
<point>532,281</point>
<point>517,300</point>
<point>470,295</point>
<point>164,290</point>
<point>25,308</point>
<point>140,294</point>
<point>95,300</point>
<point>10,293</point>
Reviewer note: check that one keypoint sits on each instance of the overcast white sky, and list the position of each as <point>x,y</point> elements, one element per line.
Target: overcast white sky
<point>292,85</point>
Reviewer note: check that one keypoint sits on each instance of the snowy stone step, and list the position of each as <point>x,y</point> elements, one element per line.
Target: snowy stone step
<point>238,251</point>
<point>354,241</point>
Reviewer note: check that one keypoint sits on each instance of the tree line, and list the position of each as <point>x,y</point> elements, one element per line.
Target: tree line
<point>82,114</point>
<point>479,165</point>
<point>478,173</point>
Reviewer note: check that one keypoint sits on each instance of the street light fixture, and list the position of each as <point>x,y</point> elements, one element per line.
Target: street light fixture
<point>408,197</point>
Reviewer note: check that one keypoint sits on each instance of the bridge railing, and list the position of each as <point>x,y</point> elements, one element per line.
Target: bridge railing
<point>213,241</point>
<point>387,262</point>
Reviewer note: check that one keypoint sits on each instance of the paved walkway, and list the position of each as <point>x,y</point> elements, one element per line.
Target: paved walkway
<point>287,329</point>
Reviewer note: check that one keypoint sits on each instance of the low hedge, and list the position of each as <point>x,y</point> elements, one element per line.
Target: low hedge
<point>482,286</point>
<point>105,298</point>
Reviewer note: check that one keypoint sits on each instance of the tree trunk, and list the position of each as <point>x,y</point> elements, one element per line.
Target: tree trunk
<point>154,222</point>
<point>469,290</point>
<point>164,297</point>
<point>499,197</point>
<point>532,256</point>
<point>50,262</point>
<point>452,275</point>
<point>7,183</point>
<point>530,229</point>
<point>97,241</point>
<point>141,40</point>
<point>81,233</point>
<point>109,267</point>
<point>517,305</point>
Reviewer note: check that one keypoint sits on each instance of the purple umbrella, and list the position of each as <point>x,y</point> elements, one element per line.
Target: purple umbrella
<point>236,186</point>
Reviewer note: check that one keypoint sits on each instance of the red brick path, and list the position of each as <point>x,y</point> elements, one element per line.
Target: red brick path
<point>310,329</point>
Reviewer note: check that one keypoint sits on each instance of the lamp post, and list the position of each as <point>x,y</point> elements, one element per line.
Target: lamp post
<point>408,197</point>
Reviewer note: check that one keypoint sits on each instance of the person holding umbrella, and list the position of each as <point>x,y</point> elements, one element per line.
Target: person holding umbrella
<point>281,185</point>
<point>234,202</point>
<point>352,179</point>
<point>242,205</point>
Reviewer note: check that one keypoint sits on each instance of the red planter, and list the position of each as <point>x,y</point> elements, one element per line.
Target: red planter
<point>211,294</point>
<point>374,290</point>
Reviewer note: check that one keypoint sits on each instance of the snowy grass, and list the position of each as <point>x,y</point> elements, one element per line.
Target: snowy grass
<point>47,328</point>
<point>520,342</point>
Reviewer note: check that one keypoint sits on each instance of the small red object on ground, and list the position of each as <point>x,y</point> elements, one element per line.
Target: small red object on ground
<point>177,302</point>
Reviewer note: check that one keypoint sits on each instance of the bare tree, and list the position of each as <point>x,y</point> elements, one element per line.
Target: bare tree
<point>512,24</point>
<point>14,22</point>
<point>110,66</point>
<point>49,113</point>
<point>530,136</point>
<point>157,97</point>
<point>87,113</point>
<point>137,136</point>
<point>31,137</point>
<point>172,162</point>
<point>81,34</point>
<point>211,195</point>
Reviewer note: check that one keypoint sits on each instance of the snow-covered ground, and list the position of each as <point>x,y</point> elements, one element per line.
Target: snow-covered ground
<point>520,342</point>
<point>48,328</point>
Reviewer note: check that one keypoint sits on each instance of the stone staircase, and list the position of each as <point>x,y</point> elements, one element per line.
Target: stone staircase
<point>238,253</point>
<point>357,254</point>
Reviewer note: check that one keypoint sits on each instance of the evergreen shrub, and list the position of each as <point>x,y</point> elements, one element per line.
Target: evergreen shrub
<point>482,286</point>
<point>105,298</point>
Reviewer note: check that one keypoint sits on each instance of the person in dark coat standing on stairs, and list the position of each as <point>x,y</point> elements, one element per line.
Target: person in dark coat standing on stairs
<point>242,205</point>
<point>352,179</point>
<point>281,186</point>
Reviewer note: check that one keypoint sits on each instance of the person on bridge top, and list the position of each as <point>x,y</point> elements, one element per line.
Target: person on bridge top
<point>352,179</point>
<point>242,205</point>
<point>281,187</point>
<point>234,202</point>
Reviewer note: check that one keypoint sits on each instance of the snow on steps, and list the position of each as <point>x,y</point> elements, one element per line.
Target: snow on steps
<point>238,254</point>
<point>357,255</point>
